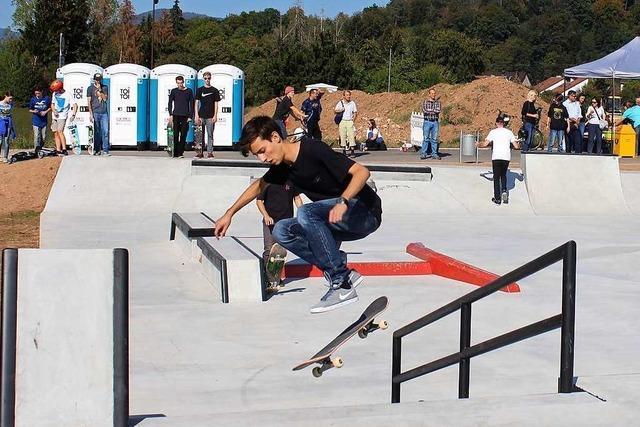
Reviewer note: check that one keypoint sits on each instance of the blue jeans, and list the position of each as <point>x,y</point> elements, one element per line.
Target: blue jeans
<point>429,137</point>
<point>528,128</point>
<point>555,134</point>
<point>311,237</point>
<point>283,129</point>
<point>595,133</point>
<point>100,132</point>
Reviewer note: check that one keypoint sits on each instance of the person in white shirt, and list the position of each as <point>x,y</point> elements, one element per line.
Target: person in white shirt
<point>595,118</point>
<point>62,104</point>
<point>501,139</point>
<point>346,128</point>
<point>573,139</point>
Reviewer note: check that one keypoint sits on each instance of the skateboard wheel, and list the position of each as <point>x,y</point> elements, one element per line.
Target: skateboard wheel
<point>317,372</point>
<point>337,362</point>
<point>362,333</point>
<point>383,325</point>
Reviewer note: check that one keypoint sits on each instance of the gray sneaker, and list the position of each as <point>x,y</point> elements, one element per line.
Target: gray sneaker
<point>353,278</point>
<point>335,298</point>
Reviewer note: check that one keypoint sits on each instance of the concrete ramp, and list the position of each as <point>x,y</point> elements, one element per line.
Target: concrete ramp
<point>574,185</point>
<point>65,338</point>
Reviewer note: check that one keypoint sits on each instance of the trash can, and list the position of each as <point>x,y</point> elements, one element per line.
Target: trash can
<point>625,143</point>
<point>469,144</point>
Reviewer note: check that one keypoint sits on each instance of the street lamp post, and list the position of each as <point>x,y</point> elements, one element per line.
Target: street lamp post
<point>153,28</point>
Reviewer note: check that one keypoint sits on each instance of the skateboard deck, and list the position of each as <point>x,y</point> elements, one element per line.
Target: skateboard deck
<point>275,263</point>
<point>169,139</point>
<point>199,139</point>
<point>362,327</point>
<point>90,147</point>
<point>75,138</point>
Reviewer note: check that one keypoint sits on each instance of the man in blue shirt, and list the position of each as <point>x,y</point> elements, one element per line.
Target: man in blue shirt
<point>39,107</point>
<point>633,114</point>
<point>312,109</point>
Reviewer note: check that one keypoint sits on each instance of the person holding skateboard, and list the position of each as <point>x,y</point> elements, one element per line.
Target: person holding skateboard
<point>206,110</point>
<point>180,107</point>
<point>275,203</point>
<point>97,96</point>
<point>343,207</point>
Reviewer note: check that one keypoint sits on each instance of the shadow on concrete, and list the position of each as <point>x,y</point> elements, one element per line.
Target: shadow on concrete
<point>512,177</point>
<point>134,420</point>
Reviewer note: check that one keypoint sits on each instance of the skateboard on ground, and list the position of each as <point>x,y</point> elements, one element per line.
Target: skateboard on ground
<point>75,138</point>
<point>199,139</point>
<point>90,147</point>
<point>170,139</point>
<point>363,326</point>
<point>275,263</point>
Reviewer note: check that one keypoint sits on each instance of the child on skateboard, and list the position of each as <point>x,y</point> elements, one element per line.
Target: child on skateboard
<point>275,203</point>
<point>344,207</point>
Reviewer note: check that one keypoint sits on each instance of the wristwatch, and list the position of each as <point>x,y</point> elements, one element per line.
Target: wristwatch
<point>342,201</point>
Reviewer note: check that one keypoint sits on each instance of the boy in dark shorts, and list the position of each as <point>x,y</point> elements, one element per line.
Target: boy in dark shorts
<point>343,207</point>
<point>275,203</point>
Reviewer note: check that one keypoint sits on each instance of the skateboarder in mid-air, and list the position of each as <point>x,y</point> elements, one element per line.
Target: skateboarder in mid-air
<point>344,207</point>
<point>275,203</point>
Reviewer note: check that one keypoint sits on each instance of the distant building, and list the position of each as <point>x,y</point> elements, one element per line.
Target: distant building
<point>518,77</point>
<point>556,84</point>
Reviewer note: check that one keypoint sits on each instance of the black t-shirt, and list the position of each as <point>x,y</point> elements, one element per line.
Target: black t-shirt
<point>528,108</point>
<point>583,109</point>
<point>283,108</point>
<point>558,114</point>
<point>180,102</point>
<point>321,173</point>
<point>278,200</point>
<point>207,97</point>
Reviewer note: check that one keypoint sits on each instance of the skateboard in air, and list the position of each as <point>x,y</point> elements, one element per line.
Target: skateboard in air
<point>275,263</point>
<point>75,138</point>
<point>169,139</point>
<point>363,326</point>
<point>199,139</point>
<point>90,142</point>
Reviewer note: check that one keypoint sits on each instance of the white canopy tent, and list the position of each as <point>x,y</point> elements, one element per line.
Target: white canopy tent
<point>623,63</point>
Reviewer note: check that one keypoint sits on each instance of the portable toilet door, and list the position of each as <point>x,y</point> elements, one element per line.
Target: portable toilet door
<point>229,80</point>
<point>129,104</point>
<point>77,77</point>
<point>163,79</point>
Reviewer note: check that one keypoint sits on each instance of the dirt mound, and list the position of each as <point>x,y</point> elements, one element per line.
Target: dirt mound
<point>469,107</point>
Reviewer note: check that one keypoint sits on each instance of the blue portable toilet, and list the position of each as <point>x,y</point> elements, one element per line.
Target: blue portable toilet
<point>77,77</point>
<point>128,104</point>
<point>162,80</point>
<point>229,80</point>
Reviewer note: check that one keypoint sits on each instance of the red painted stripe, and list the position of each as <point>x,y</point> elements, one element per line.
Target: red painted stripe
<point>403,268</point>
<point>451,268</point>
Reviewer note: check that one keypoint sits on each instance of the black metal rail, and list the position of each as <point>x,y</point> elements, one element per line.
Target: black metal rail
<point>565,320</point>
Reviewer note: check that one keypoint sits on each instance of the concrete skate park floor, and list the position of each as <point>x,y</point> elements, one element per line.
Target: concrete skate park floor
<point>196,361</point>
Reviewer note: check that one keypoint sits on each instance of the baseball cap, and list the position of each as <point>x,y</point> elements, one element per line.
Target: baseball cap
<point>97,76</point>
<point>288,89</point>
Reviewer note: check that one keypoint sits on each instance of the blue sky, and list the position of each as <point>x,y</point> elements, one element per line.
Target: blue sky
<point>223,8</point>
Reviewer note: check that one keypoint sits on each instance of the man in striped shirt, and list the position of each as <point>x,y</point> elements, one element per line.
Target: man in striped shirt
<point>430,128</point>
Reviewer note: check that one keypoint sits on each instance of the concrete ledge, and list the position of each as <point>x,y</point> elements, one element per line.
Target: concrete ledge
<point>191,226</point>
<point>233,268</point>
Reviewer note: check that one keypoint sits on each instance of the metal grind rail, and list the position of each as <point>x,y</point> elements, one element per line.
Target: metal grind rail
<point>565,321</point>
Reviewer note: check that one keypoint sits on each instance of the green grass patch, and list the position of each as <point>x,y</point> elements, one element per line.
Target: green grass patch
<point>24,130</point>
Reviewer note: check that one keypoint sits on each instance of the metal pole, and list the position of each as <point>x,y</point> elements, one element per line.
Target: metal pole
<point>153,28</point>
<point>565,384</point>
<point>9,291</point>
<point>395,369</point>
<point>465,342</point>
<point>613,112</point>
<point>389,80</point>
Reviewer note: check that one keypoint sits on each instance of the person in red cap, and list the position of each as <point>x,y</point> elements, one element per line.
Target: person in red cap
<point>284,107</point>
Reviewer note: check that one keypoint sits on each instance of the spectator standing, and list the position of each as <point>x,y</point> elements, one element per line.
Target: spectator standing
<point>633,114</point>
<point>375,141</point>
<point>7,127</point>
<point>557,123</point>
<point>39,107</point>
<point>431,111</point>
<point>594,115</point>
<point>206,110</point>
<point>275,202</point>
<point>284,108</point>
<point>574,139</point>
<point>501,139</point>
<point>61,103</point>
<point>582,100</point>
<point>347,128</point>
<point>529,117</point>
<point>97,95</point>
<point>181,102</point>
<point>312,108</point>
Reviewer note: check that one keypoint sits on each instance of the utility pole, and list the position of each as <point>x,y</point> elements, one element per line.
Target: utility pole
<point>153,28</point>
<point>389,81</point>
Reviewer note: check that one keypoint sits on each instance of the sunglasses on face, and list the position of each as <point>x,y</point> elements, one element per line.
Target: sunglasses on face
<point>207,78</point>
<point>594,102</point>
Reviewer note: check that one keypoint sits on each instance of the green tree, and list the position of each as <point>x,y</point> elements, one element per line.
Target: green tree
<point>177,20</point>
<point>17,72</point>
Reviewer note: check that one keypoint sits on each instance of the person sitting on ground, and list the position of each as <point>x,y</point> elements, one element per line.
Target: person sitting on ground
<point>7,127</point>
<point>501,139</point>
<point>374,141</point>
<point>275,203</point>
<point>343,207</point>
<point>284,108</point>
<point>595,116</point>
